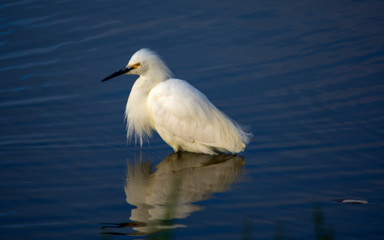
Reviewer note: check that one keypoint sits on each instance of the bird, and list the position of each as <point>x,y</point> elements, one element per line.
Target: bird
<point>182,115</point>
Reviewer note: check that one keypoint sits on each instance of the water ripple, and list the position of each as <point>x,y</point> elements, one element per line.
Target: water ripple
<point>37,100</point>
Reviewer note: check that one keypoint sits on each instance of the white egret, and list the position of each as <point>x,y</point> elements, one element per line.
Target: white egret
<point>183,116</point>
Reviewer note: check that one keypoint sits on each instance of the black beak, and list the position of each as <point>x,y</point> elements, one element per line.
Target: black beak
<point>118,73</point>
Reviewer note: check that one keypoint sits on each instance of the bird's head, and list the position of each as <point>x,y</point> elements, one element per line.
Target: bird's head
<point>141,63</point>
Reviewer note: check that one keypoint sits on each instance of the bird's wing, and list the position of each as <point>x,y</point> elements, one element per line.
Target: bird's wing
<point>178,109</point>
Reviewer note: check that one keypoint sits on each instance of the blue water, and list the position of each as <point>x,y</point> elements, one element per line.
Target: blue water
<point>306,77</point>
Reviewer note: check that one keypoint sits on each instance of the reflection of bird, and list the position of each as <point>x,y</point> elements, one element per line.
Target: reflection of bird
<point>181,114</point>
<point>179,180</point>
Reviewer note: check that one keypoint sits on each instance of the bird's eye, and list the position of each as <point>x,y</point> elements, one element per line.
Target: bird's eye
<point>136,65</point>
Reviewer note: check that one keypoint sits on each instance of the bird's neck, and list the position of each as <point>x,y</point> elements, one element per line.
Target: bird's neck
<point>158,74</point>
<point>136,114</point>
<point>138,119</point>
<point>144,84</point>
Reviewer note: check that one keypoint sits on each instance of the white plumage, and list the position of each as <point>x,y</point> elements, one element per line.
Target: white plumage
<point>181,114</point>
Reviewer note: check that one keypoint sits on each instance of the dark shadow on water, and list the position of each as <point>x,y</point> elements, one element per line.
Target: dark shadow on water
<point>170,192</point>
<point>321,231</point>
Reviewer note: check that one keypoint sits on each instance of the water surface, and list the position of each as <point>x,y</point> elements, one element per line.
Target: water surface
<point>305,77</point>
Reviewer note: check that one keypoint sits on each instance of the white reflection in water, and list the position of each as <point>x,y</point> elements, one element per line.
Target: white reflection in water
<point>178,181</point>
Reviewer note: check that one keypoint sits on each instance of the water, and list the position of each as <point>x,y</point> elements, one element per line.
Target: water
<point>306,77</point>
